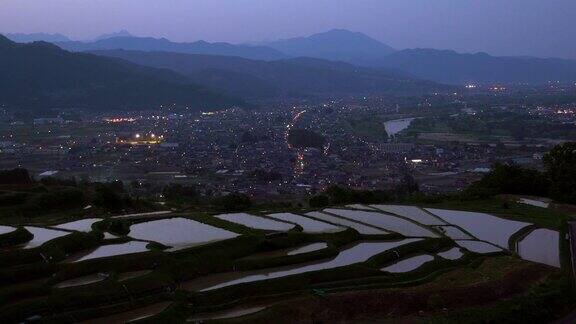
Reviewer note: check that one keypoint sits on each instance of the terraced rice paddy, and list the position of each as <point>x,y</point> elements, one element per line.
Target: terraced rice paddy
<point>179,233</point>
<point>358,253</point>
<point>360,228</point>
<point>483,226</point>
<point>361,207</point>
<point>308,225</point>
<point>308,248</point>
<point>82,281</point>
<point>6,229</point>
<point>306,255</point>
<point>114,250</point>
<point>479,247</point>
<point>42,235</point>
<point>132,274</point>
<point>413,213</point>
<point>132,315</point>
<point>452,254</point>
<point>409,264</point>
<point>454,233</point>
<point>227,314</point>
<point>542,246</point>
<point>534,202</point>
<point>83,225</point>
<point>384,221</point>
<point>256,222</point>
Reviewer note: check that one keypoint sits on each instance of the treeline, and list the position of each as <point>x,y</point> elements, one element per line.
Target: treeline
<point>22,196</point>
<point>336,195</point>
<point>558,181</point>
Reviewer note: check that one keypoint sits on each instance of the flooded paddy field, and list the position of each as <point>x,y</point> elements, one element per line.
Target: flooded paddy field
<point>409,264</point>
<point>179,233</point>
<point>256,222</point>
<point>6,229</point>
<point>384,221</point>
<point>112,250</point>
<point>542,246</point>
<point>83,225</point>
<point>452,254</point>
<point>292,266</point>
<point>483,226</point>
<point>308,225</point>
<point>411,212</point>
<point>361,228</point>
<point>42,235</point>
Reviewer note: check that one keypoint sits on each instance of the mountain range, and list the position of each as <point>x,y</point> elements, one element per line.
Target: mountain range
<point>252,79</point>
<point>42,76</point>
<point>450,67</point>
<point>335,45</point>
<point>35,37</point>
<point>163,44</point>
<point>122,71</point>
<point>442,66</point>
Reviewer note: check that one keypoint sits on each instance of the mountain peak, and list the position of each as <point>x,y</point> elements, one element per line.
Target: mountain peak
<point>121,33</point>
<point>335,45</point>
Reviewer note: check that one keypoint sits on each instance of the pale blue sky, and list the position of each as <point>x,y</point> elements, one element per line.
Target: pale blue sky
<point>502,27</point>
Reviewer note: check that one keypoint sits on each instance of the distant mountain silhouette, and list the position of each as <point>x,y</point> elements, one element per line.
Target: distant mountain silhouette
<point>290,77</point>
<point>335,45</point>
<point>163,44</point>
<point>35,37</point>
<point>122,33</point>
<point>40,76</point>
<point>453,68</point>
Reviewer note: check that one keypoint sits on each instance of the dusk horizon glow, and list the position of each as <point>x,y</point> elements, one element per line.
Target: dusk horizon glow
<point>515,27</point>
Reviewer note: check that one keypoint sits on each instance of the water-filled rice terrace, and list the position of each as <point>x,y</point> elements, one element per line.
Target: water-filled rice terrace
<point>264,266</point>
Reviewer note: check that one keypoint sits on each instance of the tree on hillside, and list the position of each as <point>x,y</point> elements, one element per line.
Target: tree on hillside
<point>561,170</point>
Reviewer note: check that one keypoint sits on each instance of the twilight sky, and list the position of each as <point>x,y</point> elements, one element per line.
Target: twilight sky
<point>500,27</point>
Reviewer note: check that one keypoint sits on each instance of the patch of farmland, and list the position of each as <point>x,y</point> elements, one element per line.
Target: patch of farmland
<point>360,228</point>
<point>256,222</point>
<point>454,233</point>
<point>308,225</point>
<point>179,233</point>
<point>479,247</point>
<point>308,248</point>
<point>542,246</point>
<point>358,253</point>
<point>83,225</point>
<point>42,235</point>
<point>384,221</point>
<point>411,212</point>
<point>114,250</point>
<point>483,226</point>
<point>452,254</point>
<point>409,264</point>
